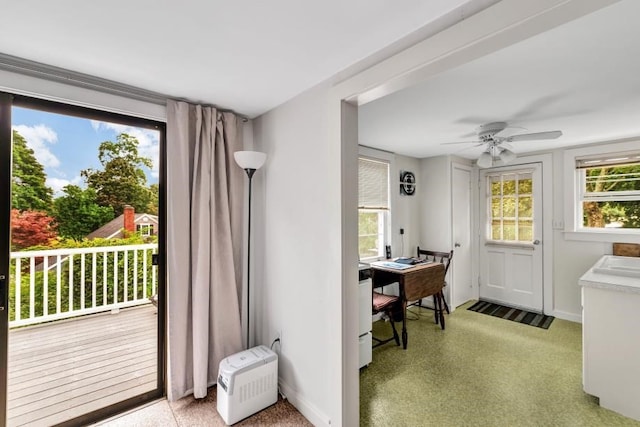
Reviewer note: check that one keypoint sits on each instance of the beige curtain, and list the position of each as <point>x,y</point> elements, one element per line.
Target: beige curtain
<point>204,244</point>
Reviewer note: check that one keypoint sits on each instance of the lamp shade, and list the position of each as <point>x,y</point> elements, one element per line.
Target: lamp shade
<point>250,159</point>
<point>485,160</point>
<point>507,156</point>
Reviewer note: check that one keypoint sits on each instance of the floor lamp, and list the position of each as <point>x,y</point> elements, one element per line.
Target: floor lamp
<point>250,161</point>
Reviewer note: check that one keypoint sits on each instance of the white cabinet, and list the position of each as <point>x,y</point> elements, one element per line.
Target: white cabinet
<point>611,337</point>
<point>364,321</point>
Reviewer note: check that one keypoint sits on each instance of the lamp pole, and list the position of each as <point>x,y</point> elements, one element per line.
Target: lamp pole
<point>250,173</point>
<point>250,161</point>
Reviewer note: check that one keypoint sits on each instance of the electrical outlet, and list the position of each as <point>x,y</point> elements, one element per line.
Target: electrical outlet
<point>402,231</point>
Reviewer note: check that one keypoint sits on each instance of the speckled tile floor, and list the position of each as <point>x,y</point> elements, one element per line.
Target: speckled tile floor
<point>202,412</point>
<point>480,371</point>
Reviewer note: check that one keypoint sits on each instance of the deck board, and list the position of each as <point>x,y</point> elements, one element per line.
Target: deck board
<point>61,370</point>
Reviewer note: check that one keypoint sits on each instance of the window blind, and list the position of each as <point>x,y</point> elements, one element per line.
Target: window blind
<point>373,184</point>
<point>609,160</point>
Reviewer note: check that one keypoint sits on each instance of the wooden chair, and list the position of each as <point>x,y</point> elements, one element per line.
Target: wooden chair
<point>445,259</point>
<point>416,288</point>
<point>392,307</point>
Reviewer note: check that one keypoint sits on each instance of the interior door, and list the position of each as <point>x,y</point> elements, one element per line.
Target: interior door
<point>511,236</point>
<point>461,276</point>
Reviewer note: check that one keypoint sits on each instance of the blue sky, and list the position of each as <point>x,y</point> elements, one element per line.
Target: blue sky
<point>65,145</point>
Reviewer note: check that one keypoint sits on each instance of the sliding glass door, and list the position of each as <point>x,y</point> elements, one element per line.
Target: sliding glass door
<point>82,312</point>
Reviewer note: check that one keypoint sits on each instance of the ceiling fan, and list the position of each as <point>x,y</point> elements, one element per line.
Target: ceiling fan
<point>498,147</point>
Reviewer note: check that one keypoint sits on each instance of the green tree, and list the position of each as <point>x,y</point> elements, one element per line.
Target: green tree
<point>28,181</point>
<point>153,207</point>
<point>78,213</point>
<point>123,180</point>
<point>612,179</point>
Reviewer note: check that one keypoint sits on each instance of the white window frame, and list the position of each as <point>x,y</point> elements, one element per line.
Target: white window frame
<point>380,156</point>
<point>573,229</point>
<point>147,226</point>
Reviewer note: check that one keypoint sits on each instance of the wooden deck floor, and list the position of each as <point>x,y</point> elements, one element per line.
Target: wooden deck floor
<point>62,370</point>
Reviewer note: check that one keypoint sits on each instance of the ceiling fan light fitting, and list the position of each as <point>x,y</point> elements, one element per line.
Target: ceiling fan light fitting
<point>507,156</point>
<point>485,160</point>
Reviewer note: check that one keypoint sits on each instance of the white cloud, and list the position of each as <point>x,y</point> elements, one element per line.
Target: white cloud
<point>38,137</point>
<point>148,142</point>
<point>57,184</point>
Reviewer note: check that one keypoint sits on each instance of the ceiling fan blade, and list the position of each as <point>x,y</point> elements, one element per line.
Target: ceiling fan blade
<point>468,148</point>
<point>509,131</point>
<point>462,142</point>
<point>534,136</point>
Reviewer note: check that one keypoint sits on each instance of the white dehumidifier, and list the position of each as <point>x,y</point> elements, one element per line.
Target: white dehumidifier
<point>247,383</point>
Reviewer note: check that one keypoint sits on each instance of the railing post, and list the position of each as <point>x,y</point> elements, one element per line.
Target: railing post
<point>17,315</point>
<point>82,281</point>
<point>144,273</point>
<point>70,308</point>
<point>45,289</point>
<point>125,281</point>
<point>105,289</point>
<point>135,274</point>
<point>94,288</point>
<point>32,287</point>
<point>115,277</point>
<point>58,285</point>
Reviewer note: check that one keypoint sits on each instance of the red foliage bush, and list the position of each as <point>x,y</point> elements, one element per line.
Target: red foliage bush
<point>31,228</point>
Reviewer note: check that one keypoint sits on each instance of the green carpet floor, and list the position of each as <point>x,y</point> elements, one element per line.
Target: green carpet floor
<point>480,371</point>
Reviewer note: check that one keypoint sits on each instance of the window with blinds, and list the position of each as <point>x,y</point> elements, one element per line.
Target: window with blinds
<point>373,207</point>
<point>609,191</point>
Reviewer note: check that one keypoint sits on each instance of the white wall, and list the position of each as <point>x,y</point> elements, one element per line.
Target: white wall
<point>295,250</point>
<point>572,258</point>
<point>406,209</point>
<point>435,208</point>
<point>320,365</point>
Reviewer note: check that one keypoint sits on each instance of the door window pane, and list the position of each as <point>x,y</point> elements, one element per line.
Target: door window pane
<point>511,206</point>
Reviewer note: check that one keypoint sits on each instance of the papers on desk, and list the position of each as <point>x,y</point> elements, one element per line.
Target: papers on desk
<point>391,264</point>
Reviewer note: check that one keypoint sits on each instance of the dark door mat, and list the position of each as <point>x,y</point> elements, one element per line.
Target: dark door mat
<point>513,314</point>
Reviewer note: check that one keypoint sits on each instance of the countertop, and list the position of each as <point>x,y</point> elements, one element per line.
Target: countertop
<point>612,282</point>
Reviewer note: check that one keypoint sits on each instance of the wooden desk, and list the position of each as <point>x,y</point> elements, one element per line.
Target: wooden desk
<point>417,282</point>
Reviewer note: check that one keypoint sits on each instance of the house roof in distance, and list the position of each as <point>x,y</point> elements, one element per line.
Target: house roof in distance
<point>113,229</point>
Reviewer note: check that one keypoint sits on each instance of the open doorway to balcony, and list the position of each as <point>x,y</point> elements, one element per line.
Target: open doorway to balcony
<point>84,292</point>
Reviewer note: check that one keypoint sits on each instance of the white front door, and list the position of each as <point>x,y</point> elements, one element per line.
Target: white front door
<point>511,236</point>
<point>460,282</point>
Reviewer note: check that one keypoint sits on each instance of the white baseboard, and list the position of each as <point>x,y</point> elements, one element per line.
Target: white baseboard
<point>308,410</point>
<point>564,315</point>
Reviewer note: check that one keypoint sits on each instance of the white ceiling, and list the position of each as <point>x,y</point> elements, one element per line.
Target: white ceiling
<point>244,55</point>
<point>582,78</point>
<point>252,55</point>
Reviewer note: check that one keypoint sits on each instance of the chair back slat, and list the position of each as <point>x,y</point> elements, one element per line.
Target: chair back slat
<point>435,256</point>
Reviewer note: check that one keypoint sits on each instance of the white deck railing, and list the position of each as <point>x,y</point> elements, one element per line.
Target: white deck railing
<point>61,283</point>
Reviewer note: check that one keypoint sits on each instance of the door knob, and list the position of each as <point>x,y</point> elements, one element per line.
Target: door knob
<point>457,245</point>
<point>536,242</point>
